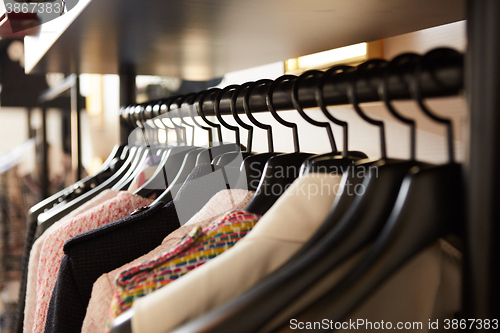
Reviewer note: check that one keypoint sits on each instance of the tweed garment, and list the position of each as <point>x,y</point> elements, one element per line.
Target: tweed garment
<point>113,245</point>
<point>52,249</point>
<point>198,247</point>
<point>34,256</point>
<point>105,287</point>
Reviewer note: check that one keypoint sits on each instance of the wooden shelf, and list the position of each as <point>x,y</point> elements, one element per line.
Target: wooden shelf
<point>199,40</point>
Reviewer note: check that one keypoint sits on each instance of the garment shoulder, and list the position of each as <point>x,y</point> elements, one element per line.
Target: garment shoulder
<point>99,235</point>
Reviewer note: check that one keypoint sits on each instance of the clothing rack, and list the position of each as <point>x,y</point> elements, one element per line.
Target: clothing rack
<point>480,77</point>
<point>443,78</point>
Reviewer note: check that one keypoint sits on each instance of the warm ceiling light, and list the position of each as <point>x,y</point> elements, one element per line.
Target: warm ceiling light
<point>351,54</point>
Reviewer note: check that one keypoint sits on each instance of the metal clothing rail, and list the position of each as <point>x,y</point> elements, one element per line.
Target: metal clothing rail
<point>441,75</point>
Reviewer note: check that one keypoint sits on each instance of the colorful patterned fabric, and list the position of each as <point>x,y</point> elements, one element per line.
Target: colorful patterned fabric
<point>199,246</point>
<point>52,250</point>
<point>105,287</point>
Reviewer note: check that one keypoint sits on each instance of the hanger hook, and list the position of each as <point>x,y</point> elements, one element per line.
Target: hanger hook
<point>156,112</point>
<point>272,109</point>
<point>138,116</point>
<point>147,114</point>
<point>135,115</point>
<point>125,114</point>
<point>320,101</point>
<point>237,118</point>
<point>400,63</point>
<point>206,128</point>
<point>218,98</point>
<point>246,106</point>
<point>176,101</point>
<point>353,99</point>
<point>416,91</point>
<point>296,104</point>
<point>199,108</point>
<point>159,109</point>
<point>179,101</point>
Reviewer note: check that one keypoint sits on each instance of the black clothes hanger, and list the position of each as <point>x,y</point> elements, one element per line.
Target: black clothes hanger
<point>208,155</point>
<point>347,199</point>
<point>265,196</point>
<point>335,241</point>
<point>322,160</point>
<point>140,141</point>
<point>218,98</point>
<point>153,150</point>
<point>333,161</point>
<point>160,153</point>
<point>183,124</point>
<point>214,153</point>
<point>114,161</point>
<point>430,206</point>
<point>143,152</point>
<point>296,105</point>
<point>187,165</point>
<point>196,156</point>
<point>231,157</point>
<point>234,113</point>
<point>246,106</point>
<point>355,179</point>
<point>166,108</point>
<point>390,172</point>
<point>46,219</point>
<point>319,95</point>
<point>201,113</point>
<point>274,113</point>
<point>168,168</point>
<point>189,160</point>
<point>253,166</point>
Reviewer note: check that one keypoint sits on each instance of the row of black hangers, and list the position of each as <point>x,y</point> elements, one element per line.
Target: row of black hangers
<point>405,207</point>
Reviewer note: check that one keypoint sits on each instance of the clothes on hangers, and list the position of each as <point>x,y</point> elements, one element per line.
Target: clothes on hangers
<point>426,289</point>
<point>107,265</point>
<point>111,246</point>
<point>30,303</point>
<point>52,250</point>
<point>104,288</point>
<point>195,249</point>
<point>60,177</point>
<point>288,224</point>
<point>20,190</point>
<point>120,242</point>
